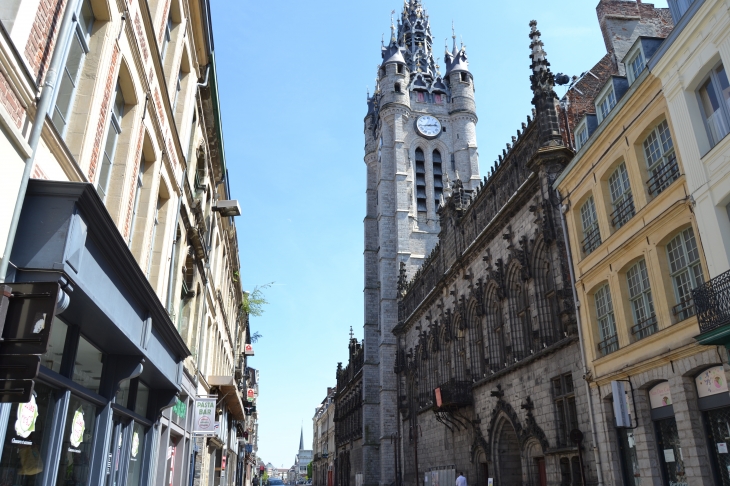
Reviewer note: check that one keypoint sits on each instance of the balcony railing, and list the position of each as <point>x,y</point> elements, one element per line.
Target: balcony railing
<point>624,211</point>
<point>645,328</point>
<point>685,309</point>
<point>608,345</point>
<point>591,241</point>
<point>712,302</point>
<point>455,394</point>
<point>663,176</point>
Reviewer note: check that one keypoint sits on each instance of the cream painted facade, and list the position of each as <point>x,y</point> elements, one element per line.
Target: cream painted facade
<point>143,73</point>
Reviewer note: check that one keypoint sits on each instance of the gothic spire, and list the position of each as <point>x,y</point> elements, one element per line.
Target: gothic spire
<point>544,96</point>
<point>414,33</point>
<point>301,440</point>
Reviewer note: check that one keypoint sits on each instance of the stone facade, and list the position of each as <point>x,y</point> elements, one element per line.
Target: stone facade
<point>349,418</point>
<point>489,364</point>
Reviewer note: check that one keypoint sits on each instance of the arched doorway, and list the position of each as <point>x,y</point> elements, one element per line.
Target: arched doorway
<point>508,457</point>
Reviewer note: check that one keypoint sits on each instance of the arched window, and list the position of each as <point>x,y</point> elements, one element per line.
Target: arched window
<point>494,331</point>
<point>686,271</point>
<point>438,180</point>
<point>476,344</point>
<point>661,161</point>
<point>420,181</point>
<point>445,355</point>
<point>621,198</point>
<point>606,321</point>
<point>551,329</point>
<point>589,220</point>
<point>519,318</point>
<point>459,347</point>
<point>642,304</point>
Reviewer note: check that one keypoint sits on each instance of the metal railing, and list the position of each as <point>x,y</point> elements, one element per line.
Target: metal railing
<point>456,394</point>
<point>665,174</point>
<point>645,328</point>
<point>685,309</point>
<point>608,345</point>
<point>591,241</point>
<point>624,211</point>
<point>712,303</point>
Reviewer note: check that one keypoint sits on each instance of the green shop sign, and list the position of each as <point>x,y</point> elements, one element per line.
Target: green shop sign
<point>180,408</point>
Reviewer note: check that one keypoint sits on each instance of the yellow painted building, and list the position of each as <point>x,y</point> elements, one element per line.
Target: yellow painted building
<point>637,256</point>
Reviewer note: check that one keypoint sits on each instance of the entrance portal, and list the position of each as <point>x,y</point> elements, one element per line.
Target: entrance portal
<point>508,457</point>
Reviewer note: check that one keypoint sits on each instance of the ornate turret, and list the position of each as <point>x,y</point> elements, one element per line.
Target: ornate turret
<point>543,84</point>
<point>414,35</point>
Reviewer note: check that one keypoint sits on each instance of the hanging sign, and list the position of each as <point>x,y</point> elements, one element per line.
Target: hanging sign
<point>620,405</point>
<point>248,350</point>
<point>204,416</point>
<point>27,415</point>
<point>77,428</point>
<point>250,394</point>
<point>711,382</point>
<point>660,395</point>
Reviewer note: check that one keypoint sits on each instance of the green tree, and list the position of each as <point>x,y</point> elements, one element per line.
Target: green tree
<point>309,471</point>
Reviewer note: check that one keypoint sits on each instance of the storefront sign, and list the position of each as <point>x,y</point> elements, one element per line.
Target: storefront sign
<point>77,428</point>
<point>204,416</point>
<point>180,408</point>
<point>223,463</point>
<point>248,350</point>
<point>27,415</point>
<point>711,382</point>
<point>620,405</point>
<point>250,394</point>
<point>660,395</point>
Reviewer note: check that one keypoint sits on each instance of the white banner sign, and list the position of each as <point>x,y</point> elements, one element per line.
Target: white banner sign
<point>620,407</point>
<point>204,416</point>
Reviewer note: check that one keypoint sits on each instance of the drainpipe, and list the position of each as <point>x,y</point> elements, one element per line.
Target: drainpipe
<point>594,433</point>
<point>42,109</point>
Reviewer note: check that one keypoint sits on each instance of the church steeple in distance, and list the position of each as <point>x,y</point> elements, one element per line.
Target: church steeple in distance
<point>301,440</point>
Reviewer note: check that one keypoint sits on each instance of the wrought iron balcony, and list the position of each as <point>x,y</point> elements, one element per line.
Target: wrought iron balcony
<point>454,394</point>
<point>685,309</point>
<point>712,302</point>
<point>591,241</point>
<point>663,176</point>
<point>645,328</point>
<point>608,345</point>
<point>624,211</point>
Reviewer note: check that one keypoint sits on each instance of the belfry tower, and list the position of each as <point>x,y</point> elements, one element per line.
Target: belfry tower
<point>420,137</point>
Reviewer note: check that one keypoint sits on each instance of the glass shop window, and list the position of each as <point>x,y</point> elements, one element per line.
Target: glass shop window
<point>122,395</point>
<point>629,459</point>
<point>143,395</point>
<point>670,452</point>
<point>21,463</point>
<point>88,365</point>
<point>714,402</point>
<point>136,455</point>
<point>54,353</point>
<point>77,446</point>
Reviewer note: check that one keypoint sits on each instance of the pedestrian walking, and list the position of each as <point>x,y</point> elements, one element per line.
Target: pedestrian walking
<point>461,480</point>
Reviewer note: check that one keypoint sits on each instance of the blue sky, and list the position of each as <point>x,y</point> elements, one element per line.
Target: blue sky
<point>292,79</point>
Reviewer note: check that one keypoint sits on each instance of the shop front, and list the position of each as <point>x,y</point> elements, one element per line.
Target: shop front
<point>714,403</point>
<point>114,359</point>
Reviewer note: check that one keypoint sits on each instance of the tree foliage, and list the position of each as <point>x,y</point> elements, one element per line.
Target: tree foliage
<point>254,302</point>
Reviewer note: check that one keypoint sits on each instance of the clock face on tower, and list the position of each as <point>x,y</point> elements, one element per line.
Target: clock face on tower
<point>428,126</point>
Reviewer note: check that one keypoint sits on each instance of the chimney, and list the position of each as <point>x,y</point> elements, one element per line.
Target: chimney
<point>623,21</point>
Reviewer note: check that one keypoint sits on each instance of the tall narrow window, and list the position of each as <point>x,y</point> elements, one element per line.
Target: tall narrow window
<point>606,104</point>
<point>606,321</point>
<point>438,180</point>
<point>420,181</point>
<point>621,198</point>
<point>686,271</point>
<point>153,238</point>
<point>636,65</point>
<point>110,146</point>
<point>591,233</point>
<point>715,97</point>
<point>191,136</point>
<point>642,305</point>
<point>564,396</point>
<point>135,206</point>
<point>661,161</point>
<point>420,96</point>
<point>168,35</point>
<point>71,73</point>
<point>178,88</point>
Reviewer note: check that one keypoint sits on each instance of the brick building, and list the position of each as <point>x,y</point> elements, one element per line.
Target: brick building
<point>348,418</point>
<point>113,111</point>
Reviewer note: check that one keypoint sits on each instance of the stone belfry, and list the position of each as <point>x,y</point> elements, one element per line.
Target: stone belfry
<point>420,137</point>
